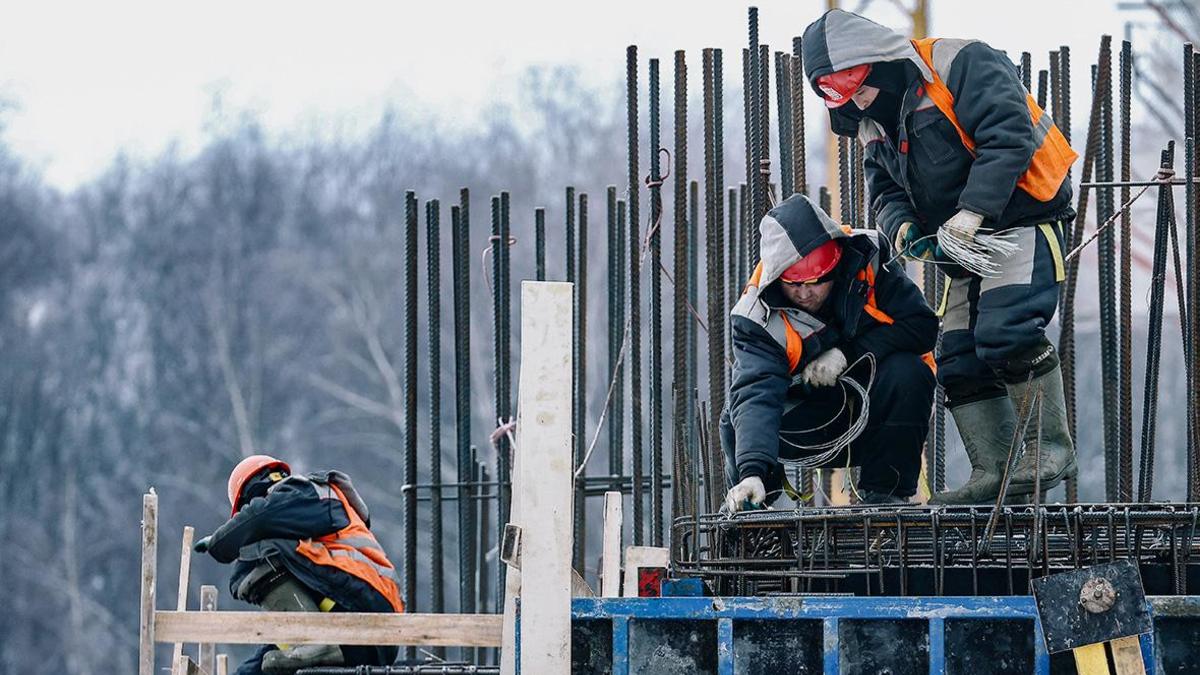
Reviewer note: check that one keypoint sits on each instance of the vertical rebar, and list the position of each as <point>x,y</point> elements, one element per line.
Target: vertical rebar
<point>1162,230</point>
<point>616,328</point>
<point>656,367</point>
<point>539,234</point>
<point>799,170</point>
<point>1042,84</point>
<point>744,263</point>
<point>764,150</point>
<point>714,258</point>
<point>481,478</point>
<point>1106,269</point>
<point>1125,458</point>
<point>681,330</point>
<point>410,259</point>
<point>734,284</point>
<point>844,200</point>
<point>618,405</point>
<point>752,82</point>
<point>783,88</point>
<point>504,410</point>
<point>461,261</point>
<point>718,187</point>
<point>437,603</point>
<point>748,118</point>
<point>569,250</point>
<point>635,334</point>
<point>688,388</point>
<point>1026,70</point>
<point>580,362</point>
<point>577,440</point>
<point>1193,273</point>
<point>859,182</point>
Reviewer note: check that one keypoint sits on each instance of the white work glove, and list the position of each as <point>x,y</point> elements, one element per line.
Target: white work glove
<point>977,252</point>
<point>750,488</point>
<point>825,369</point>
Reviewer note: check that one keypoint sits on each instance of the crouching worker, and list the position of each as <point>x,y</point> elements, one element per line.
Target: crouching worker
<point>821,300</point>
<point>303,544</point>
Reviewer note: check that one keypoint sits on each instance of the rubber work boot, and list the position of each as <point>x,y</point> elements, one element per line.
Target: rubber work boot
<point>1055,446</point>
<point>986,428</point>
<point>289,595</point>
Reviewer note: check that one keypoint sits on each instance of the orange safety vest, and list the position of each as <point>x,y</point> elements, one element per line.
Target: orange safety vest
<point>355,551</point>
<point>1053,157</point>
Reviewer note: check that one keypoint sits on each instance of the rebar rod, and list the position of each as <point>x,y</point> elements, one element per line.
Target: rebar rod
<point>746,199</point>
<point>656,346</point>
<point>1125,459</point>
<point>1106,271</point>
<point>763,172</point>
<point>1193,267</point>
<point>714,260</point>
<point>581,389</point>
<point>783,107</point>
<point>1026,70</point>
<point>539,234</point>
<point>437,602</point>
<point>859,182</point>
<point>635,332</point>
<point>733,282</point>
<point>503,261</point>
<point>744,226</point>
<point>843,168</point>
<point>410,258</point>
<point>693,273</point>
<point>1154,334</point>
<point>722,325</point>
<point>578,442</point>
<point>462,394</point>
<point>1043,76</point>
<point>681,328</point>
<point>618,404</point>
<point>615,326</point>
<point>799,164</point>
<point>753,83</point>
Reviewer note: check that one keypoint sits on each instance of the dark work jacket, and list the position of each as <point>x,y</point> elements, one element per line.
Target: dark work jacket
<point>927,174</point>
<point>297,509</point>
<point>859,317</point>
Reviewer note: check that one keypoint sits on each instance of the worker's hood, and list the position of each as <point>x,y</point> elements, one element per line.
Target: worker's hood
<point>840,40</point>
<point>790,231</point>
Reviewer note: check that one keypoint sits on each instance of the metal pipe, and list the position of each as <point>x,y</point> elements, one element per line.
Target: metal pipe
<point>656,365</point>
<point>682,326</point>
<point>462,392</point>
<point>1125,454</point>
<point>410,395</point>
<point>433,230</point>
<point>635,335</point>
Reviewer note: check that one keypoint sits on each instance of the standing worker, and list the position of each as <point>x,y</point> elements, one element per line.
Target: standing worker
<point>965,172</point>
<point>825,304</point>
<point>303,544</point>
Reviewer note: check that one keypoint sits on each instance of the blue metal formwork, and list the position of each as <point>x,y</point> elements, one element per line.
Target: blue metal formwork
<point>808,634</point>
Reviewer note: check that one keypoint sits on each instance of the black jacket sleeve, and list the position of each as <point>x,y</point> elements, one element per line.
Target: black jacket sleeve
<point>888,199</point>
<point>915,325</point>
<point>991,106</point>
<point>292,510</point>
<point>759,388</point>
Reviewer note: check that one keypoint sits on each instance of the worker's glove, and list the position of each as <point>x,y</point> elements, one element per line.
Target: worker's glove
<point>202,545</point>
<point>825,369</point>
<point>911,244</point>
<point>975,250</point>
<point>749,490</point>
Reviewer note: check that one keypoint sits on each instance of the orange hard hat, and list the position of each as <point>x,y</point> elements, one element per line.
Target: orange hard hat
<point>819,262</point>
<point>837,88</point>
<point>247,469</point>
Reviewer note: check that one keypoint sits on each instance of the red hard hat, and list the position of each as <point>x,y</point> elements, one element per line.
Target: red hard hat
<point>245,470</point>
<point>837,88</point>
<point>816,264</point>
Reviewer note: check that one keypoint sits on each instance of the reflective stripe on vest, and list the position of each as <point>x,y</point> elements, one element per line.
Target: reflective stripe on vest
<point>355,551</point>
<point>1053,157</point>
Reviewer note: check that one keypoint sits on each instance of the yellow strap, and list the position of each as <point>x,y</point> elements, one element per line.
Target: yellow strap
<point>326,605</point>
<point>1060,270</point>
<point>1090,660</point>
<point>941,310</point>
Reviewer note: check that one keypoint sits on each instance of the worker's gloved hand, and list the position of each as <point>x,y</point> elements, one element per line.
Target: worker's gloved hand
<point>911,244</point>
<point>963,225</point>
<point>749,490</point>
<point>825,369</point>
<point>202,545</point>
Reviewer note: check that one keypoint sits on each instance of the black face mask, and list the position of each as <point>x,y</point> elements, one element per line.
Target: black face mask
<point>892,78</point>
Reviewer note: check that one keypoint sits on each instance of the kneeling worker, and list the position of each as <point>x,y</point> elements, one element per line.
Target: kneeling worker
<point>303,544</point>
<point>822,299</point>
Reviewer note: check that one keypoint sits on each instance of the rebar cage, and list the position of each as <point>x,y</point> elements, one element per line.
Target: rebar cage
<point>961,551</point>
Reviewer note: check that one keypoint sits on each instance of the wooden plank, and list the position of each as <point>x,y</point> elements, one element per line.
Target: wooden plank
<point>184,665</point>
<point>547,476</point>
<point>1090,660</point>
<point>240,628</point>
<point>185,568</point>
<point>1127,656</point>
<point>222,664</point>
<point>642,556</point>
<point>208,651</point>
<point>610,561</point>
<point>146,637</point>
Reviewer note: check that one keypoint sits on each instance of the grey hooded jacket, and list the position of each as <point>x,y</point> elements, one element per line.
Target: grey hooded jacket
<point>926,174</point>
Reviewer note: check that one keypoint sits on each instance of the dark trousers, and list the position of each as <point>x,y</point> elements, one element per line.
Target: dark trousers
<point>888,450</point>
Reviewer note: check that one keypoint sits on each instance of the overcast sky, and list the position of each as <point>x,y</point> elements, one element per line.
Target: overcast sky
<point>92,78</point>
